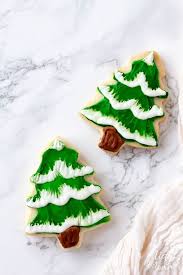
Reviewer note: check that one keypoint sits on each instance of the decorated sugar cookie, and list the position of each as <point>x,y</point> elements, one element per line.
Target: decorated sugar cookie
<point>129,107</point>
<point>64,201</point>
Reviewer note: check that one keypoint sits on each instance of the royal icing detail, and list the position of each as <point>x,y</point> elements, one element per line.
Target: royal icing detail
<point>131,104</point>
<point>111,140</point>
<point>140,80</point>
<point>104,120</point>
<point>57,144</point>
<point>65,194</point>
<point>149,59</point>
<point>63,197</point>
<point>128,103</point>
<point>60,168</point>
<point>86,221</point>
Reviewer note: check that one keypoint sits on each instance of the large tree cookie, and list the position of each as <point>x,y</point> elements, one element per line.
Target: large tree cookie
<point>129,107</point>
<point>64,201</point>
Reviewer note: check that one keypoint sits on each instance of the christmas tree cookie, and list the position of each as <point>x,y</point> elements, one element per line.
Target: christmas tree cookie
<point>64,201</point>
<point>129,107</point>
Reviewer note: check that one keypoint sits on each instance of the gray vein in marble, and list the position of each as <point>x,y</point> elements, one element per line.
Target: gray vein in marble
<point>15,71</point>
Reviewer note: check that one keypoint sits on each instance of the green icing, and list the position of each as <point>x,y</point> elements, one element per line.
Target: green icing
<point>122,93</point>
<point>69,156</point>
<point>151,72</point>
<point>56,215</point>
<point>126,118</point>
<point>55,186</point>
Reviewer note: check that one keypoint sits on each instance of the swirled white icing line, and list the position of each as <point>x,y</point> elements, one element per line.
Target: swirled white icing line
<point>60,168</point>
<point>57,144</point>
<point>97,117</point>
<point>131,104</point>
<point>140,80</point>
<point>149,59</point>
<point>90,219</point>
<point>66,193</point>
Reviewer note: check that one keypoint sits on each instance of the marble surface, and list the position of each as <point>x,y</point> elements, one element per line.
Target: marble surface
<point>52,56</point>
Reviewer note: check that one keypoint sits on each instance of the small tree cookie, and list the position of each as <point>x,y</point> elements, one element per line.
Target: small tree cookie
<point>129,107</point>
<point>64,201</point>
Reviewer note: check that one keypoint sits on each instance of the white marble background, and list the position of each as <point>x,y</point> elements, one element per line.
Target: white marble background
<point>52,56</point>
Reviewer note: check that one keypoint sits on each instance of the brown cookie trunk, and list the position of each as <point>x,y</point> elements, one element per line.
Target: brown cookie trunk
<point>70,237</point>
<point>111,140</point>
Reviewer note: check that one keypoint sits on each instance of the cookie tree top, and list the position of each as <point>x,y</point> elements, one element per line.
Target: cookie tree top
<point>129,105</point>
<point>63,197</point>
